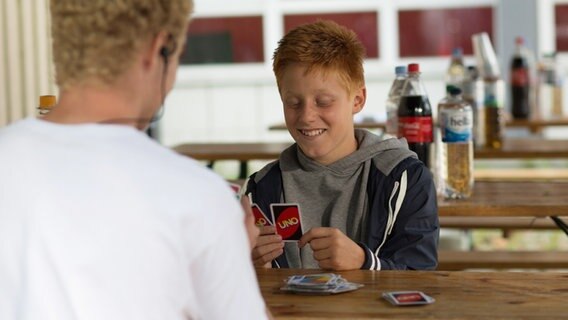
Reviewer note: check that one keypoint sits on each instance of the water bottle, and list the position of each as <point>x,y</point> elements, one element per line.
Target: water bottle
<point>473,94</point>
<point>393,101</point>
<point>455,118</point>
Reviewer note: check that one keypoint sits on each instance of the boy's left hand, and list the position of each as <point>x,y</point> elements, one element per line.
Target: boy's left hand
<point>333,249</point>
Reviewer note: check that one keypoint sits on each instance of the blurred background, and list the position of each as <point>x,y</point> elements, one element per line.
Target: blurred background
<point>225,90</point>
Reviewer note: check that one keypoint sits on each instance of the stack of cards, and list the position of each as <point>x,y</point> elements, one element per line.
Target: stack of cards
<point>407,298</point>
<point>321,283</point>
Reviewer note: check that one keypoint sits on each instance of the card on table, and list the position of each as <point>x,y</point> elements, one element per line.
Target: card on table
<point>408,298</point>
<point>260,219</point>
<point>287,220</point>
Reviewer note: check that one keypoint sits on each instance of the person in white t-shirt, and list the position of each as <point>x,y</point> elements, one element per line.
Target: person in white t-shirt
<point>97,220</point>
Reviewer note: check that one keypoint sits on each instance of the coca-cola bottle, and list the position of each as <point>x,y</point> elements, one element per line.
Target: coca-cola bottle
<point>520,82</point>
<point>415,115</point>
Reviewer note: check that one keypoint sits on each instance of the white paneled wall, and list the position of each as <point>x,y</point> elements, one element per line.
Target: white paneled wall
<point>242,113</point>
<point>25,58</point>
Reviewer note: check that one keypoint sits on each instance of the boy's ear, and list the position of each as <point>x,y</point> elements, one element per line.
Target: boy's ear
<point>359,99</point>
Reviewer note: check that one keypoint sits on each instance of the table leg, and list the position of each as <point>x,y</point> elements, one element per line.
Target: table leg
<point>243,171</point>
<point>561,224</point>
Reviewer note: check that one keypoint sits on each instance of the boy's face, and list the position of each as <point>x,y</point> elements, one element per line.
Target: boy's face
<point>319,110</point>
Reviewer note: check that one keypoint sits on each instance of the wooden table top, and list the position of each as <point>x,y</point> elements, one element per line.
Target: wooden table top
<point>367,124</point>
<point>459,295</point>
<point>511,198</point>
<point>233,151</point>
<point>512,149</point>
<point>527,148</point>
<point>532,123</point>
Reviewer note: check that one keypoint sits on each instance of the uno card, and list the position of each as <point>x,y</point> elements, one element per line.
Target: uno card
<point>235,187</point>
<point>260,219</point>
<point>407,298</point>
<point>287,219</point>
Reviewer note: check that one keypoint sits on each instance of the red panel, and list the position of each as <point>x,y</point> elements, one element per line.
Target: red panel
<point>561,15</point>
<point>364,24</point>
<point>426,33</point>
<point>246,35</point>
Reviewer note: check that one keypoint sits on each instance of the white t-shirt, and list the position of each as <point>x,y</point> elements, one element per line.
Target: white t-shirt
<point>100,222</point>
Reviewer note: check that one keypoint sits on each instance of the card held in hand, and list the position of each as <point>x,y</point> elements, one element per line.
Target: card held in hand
<point>287,220</point>
<point>260,219</point>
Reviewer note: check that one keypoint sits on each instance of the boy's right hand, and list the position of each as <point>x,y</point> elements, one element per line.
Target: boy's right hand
<point>268,247</point>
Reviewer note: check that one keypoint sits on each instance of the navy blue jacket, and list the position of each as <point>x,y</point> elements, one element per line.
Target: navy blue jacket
<point>411,227</point>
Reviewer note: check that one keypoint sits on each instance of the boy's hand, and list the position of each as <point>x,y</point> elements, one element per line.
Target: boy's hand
<point>252,229</point>
<point>333,249</point>
<point>268,247</point>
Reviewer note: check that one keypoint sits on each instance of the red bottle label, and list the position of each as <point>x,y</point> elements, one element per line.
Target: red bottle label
<point>415,129</point>
<point>520,77</point>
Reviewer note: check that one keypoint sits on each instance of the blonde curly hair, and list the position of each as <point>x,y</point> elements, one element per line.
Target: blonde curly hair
<point>98,38</point>
<point>323,46</point>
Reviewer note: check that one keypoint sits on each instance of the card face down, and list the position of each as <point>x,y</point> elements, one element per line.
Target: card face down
<point>407,298</point>
<point>260,219</point>
<point>287,219</point>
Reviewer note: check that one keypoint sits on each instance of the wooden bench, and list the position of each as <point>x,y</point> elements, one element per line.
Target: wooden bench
<point>461,260</point>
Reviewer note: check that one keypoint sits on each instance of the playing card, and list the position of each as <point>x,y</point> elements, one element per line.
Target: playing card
<point>287,219</point>
<point>260,219</point>
<point>407,298</point>
<point>236,188</point>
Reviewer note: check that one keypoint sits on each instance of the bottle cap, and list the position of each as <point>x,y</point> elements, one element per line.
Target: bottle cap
<point>414,67</point>
<point>47,101</point>
<point>519,40</point>
<point>400,70</point>
<point>457,52</point>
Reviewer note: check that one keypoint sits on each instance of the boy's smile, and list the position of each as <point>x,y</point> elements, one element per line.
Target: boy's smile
<point>318,110</point>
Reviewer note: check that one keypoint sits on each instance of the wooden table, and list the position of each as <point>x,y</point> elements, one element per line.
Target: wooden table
<point>527,148</point>
<point>459,295</point>
<point>511,198</point>
<point>535,124</point>
<point>243,152</point>
<point>358,125</point>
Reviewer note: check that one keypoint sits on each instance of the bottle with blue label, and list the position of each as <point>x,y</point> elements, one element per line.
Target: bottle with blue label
<point>455,118</point>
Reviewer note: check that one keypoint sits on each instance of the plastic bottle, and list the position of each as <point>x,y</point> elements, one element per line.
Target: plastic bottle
<point>46,103</point>
<point>520,82</point>
<point>455,118</point>
<point>473,94</point>
<point>493,90</point>
<point>393,101</point>
<point>415,115</point>
<point>549,89</point>
<point>456,73</point>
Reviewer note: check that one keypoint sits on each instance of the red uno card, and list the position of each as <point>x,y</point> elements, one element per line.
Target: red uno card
<point>407,298</point>
<point>235,187</point>
<point>287,219</point>
<point>260,218</point>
